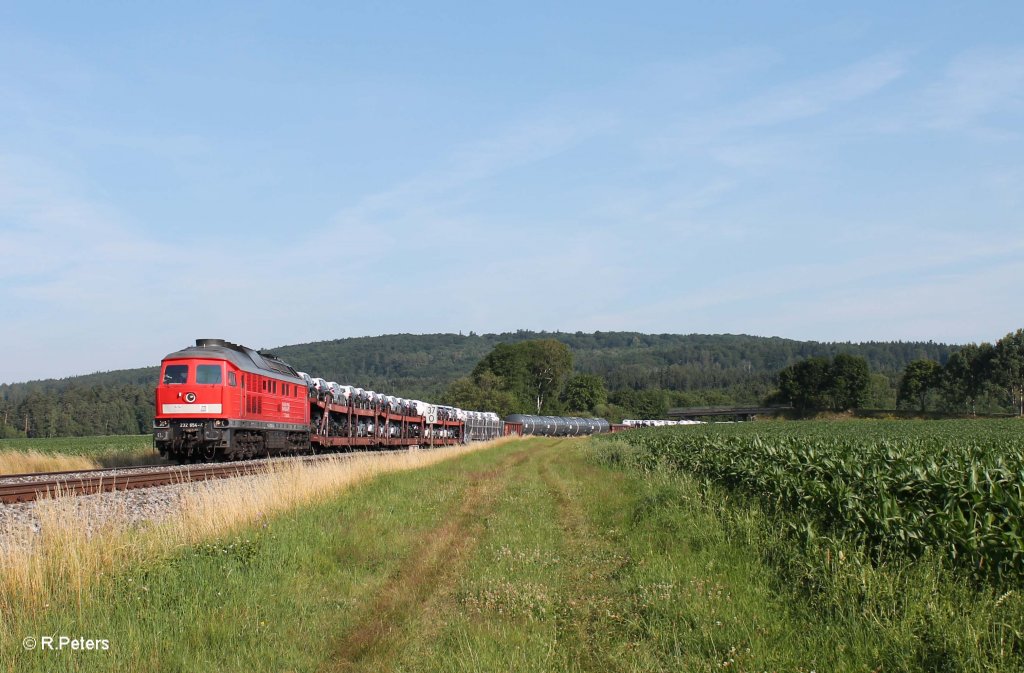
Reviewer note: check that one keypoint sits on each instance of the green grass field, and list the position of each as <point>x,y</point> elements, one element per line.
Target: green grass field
<point>44,454</point>
<point>537,555</point>
<point>82,446</point>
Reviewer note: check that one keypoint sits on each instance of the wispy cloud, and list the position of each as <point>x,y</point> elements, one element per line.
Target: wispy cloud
<point>916,306</point>
<point>788,102</point>
<point>817,95</point>
<point>976,85</point>
<point>519,145</point>
<point>51,232</point>
<point>425,215</point>
<point>805,293</point>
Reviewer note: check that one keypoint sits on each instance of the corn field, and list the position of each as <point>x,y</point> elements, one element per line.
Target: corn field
<point>904,487</point>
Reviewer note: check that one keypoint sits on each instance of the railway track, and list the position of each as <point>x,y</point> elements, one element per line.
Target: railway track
<point>87,482</point>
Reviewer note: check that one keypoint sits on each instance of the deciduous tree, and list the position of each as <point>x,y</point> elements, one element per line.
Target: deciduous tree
<point>803,383</point>
<point>920,378</point>
<point>968,372</point>
<point>584,392</point>
<point>1009,360</point>
<point>847,384</point>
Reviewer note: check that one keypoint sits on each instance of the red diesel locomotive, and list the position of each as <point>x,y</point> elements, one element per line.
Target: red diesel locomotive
<point>220,400</point>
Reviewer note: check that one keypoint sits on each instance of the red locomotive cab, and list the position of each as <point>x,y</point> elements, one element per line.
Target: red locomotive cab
<point>196,388</point>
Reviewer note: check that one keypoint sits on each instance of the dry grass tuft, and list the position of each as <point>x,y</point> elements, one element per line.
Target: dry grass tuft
<point>20,462</point>
<point>82,539</point>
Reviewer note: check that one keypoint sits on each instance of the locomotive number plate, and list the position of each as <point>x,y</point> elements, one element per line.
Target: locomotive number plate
<point>192,409</point>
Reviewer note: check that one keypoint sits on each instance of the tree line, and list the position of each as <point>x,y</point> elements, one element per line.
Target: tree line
<point>975,378</point>
<point>78,411</point>
<point>537,377</point>
<point>835,384</point>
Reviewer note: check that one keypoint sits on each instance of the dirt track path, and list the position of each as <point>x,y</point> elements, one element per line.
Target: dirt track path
<point>427,577</point>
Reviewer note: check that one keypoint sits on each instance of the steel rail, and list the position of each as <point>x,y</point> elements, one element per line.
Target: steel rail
<point>64,483</point>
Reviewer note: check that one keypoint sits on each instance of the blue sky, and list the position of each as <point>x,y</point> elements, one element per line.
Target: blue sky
<point>284,173</point>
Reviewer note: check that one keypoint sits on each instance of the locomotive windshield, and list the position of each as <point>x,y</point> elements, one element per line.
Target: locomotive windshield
<point>175,374</point>
<point>208,374</point>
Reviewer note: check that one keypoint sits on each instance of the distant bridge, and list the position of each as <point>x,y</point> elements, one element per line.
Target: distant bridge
<point>743,413</point>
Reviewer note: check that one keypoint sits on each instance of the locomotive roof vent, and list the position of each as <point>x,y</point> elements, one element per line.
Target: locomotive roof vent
<point>264,361</point>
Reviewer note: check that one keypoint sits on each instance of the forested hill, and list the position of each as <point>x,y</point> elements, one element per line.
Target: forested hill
<point>422,366</point>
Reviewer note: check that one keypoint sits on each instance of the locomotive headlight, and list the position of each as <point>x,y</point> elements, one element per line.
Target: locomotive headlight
<point>161,423</point>
<point>190,397</point>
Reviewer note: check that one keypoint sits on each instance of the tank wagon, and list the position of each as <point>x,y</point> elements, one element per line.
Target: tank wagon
<point>221,401</point>
<point>558,426</point>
